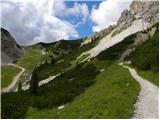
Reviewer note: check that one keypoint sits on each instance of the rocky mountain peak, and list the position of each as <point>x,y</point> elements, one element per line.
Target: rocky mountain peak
<point>126,16</point>
<point>148,10</point>
<point>137,6</point>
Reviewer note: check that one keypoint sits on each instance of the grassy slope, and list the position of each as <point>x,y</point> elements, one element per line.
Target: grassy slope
<point>150,75</point>
<point>145,58</point>
<point>31,58</point>
<point>8,72</point>
<point>112,96</point>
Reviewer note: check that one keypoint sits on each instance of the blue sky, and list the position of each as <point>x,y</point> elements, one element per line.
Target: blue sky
<point>35,21</point>
<point>86,28</point>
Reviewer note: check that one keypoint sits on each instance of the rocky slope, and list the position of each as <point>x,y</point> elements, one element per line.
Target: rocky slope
<point>141,16</point>
<point>10,50</point>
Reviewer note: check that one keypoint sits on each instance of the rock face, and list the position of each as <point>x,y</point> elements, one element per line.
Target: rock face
<point>98,35</point>
<point>137,7</point>
<point>148,10</point>
<point>141,16</point>
<point>126,16</point>
<point>10,50</point>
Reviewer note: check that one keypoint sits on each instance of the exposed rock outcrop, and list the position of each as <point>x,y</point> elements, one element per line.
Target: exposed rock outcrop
<point>148,10</point>
<point>126,17</point>
<point>10,49</point>
<point>98,35</point>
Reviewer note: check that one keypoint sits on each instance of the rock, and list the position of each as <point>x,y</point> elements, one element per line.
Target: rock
<point>125,54</point>
<point>148,10</point>
<point>126,17</point>
<point>10,49</point>
<point>98,35</point>
<point>102,70</point>
<point>61,107</point>
<point>137,7</point>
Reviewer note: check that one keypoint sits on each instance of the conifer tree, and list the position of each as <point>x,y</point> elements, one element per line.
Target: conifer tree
<point>34,83</point>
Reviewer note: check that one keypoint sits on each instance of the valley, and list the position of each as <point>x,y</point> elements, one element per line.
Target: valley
<point>111,74</point>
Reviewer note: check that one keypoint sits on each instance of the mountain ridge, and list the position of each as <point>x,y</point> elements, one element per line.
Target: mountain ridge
<point>9,48</point>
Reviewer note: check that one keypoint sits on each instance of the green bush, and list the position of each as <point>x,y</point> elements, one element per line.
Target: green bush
<point>146,55</point>
<point>14,105</point>
<point>65,87</point>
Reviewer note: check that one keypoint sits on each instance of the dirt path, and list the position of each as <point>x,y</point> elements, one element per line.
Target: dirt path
<point>12,86</point>
<point>15,79</point>
<point>147,103</point>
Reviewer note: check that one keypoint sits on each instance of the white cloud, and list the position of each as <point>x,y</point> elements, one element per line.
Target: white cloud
<point>107,13</point>
<point>32,22</point>
<point>77,10</point>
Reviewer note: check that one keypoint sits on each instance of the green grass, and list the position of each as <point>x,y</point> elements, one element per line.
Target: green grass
<point>7,74</point>
<point>146,55</point>
<point>152,76</point>
<point>112,96</point>
<point>32,58</point>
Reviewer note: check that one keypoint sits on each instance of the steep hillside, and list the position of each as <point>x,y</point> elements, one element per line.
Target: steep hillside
<point>10,49</point>
<point>130,22</point>
<point>145,58</point>
<point>58,48</point>
<point>82,78</point>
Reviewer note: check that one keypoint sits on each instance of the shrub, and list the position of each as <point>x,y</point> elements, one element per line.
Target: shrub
<point>14,105</point>
<point>146,55</point>
<point>66,86</point>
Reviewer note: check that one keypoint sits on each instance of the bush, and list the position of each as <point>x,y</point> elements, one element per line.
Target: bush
<point>40,102</point>
<point>14,105</point>
<point>65,87</point>
<point>146,55</point>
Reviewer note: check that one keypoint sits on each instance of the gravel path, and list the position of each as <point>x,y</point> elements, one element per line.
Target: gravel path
<point>15,79</point>
<point>12,86</point>
<point>147,103</point>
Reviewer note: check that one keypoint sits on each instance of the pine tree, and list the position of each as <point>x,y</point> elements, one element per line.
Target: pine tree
<point>34,83</point>
<point>20,87</point>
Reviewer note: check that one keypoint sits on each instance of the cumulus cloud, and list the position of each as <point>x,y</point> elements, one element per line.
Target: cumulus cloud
<point>77,10</point>
<point>107,13</point>
<point>32,22</point>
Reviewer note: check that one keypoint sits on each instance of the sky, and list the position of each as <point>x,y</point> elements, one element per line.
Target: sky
<point>34,21</point>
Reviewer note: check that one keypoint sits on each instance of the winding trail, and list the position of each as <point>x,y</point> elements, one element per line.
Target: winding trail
<point>15,79</point>
<point>13,86</point>
<point>147,103</point>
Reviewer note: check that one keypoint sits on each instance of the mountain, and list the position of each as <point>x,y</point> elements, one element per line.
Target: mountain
<point>10,50</point>
<point>58,48</point>
<point>141,16</point>
<point>79,70</point>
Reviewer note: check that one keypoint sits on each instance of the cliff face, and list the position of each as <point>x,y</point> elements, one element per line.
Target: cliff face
<point>148,10</point>
<point>10,50</point>
<point>126,16</point>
